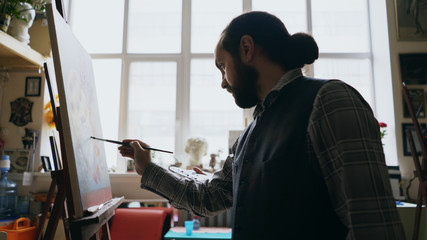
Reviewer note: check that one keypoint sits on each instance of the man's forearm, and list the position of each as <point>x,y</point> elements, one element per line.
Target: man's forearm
<point>199,198</point>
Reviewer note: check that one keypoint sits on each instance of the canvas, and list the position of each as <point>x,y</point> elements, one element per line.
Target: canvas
<point>85,165</point>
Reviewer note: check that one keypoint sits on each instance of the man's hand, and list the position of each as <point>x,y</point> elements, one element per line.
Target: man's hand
<point>201,172</point>
<point>136,151</point>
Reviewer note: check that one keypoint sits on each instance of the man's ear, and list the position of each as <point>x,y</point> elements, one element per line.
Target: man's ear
<point>247,48</point>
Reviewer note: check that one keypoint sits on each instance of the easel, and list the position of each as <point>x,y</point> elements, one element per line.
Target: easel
<point>90,227</point>
<point>83,228</point>
<point>420,169</point>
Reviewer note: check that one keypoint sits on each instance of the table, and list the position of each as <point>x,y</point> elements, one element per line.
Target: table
<point>203,233</point>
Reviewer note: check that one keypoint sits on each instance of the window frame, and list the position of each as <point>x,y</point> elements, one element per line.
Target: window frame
<point>183,63</point>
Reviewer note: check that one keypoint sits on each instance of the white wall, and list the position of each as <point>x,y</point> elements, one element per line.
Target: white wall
<point>15,88</point>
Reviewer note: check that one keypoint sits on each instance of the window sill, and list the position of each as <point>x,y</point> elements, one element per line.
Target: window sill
<point>122,184</point>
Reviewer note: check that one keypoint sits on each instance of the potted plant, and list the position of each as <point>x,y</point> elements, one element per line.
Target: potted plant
<point>11,8</point>
<point>7,10</point>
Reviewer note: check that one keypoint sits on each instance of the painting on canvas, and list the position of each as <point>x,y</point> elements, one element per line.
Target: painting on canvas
<point>85,163</point>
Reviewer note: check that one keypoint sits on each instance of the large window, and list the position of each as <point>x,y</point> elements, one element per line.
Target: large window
<point>154,68</point>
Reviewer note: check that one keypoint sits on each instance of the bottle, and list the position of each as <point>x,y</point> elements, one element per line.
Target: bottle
<point>8,191</point>
<point>196,223</point>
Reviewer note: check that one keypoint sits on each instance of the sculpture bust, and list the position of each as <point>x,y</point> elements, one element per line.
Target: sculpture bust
<point>196,148</point>
<point>18,27</point>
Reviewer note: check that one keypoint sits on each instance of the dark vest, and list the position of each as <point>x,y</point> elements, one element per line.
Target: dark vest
<point>278,193</point>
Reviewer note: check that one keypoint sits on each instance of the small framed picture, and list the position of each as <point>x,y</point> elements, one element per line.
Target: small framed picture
<point>32,86</point>
<point>406,146</point>
<point>410,16</point>
<point>416,97</point>
<point>18,159</point>
<point>413,67</point>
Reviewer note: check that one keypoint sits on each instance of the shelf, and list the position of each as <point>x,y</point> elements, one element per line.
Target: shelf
<point>17,55</point>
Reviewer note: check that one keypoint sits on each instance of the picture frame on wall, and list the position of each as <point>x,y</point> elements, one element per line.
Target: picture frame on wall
<point>410,20</point>
<point>18,159</point>
<point>33,86</point>
<point>413,68</point>
<point>416,96</point>
<point>406,146</point>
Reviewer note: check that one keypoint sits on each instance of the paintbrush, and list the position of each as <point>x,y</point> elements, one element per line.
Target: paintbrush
<point>127,144</point>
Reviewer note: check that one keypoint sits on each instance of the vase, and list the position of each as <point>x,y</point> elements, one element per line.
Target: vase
<point>4,21</point>
<point>18,27</point>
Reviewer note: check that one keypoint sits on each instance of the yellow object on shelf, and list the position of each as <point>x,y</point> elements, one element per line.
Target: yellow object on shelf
<point>19,230</point>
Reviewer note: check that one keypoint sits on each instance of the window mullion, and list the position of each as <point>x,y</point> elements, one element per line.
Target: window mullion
<point>125,27</point>
<point>371,57</point>
<point>309,17</point>
<point>309,68</point>
<point>349,55</point>
<point>182,124</point>
<point>121,165</point>
<point>247,5</point>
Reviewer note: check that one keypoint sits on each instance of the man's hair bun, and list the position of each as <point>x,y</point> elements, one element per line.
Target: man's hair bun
<point>302,49</point>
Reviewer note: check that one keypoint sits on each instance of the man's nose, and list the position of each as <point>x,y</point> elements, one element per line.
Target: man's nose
<point>224,83</point>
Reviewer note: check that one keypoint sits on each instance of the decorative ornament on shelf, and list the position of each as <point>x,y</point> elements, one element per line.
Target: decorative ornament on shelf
<point>19,14</point>
<point>383,130</point>
<point>19,26</point>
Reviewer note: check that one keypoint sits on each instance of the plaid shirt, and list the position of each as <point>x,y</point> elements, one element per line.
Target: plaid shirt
<point>343,138</point>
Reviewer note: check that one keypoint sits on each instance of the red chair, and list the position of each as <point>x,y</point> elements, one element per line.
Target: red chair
<point>137,223</point>
<point>169,216</point>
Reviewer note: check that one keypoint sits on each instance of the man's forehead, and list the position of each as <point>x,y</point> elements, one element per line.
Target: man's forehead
<point>219,51</point>
<point>217,54</point>
<point>218,46</point>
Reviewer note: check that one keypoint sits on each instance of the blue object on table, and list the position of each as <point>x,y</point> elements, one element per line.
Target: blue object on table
<point>188,227</point>
<point>197,235</point>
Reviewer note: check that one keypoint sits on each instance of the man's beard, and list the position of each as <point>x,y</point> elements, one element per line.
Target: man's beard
<point>245,90</point>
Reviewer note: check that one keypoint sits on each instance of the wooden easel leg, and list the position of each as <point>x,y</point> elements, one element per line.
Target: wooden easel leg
<point>45,210</point>
<point>418,215</point>
<point>65,222</point>
<point>94,237</point>
<point>106,232</point>
<point>99,235</point>
<point>102,234</point>
<point>57,212</point>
